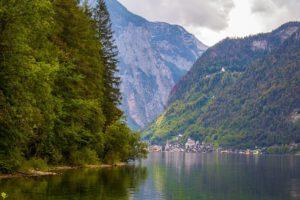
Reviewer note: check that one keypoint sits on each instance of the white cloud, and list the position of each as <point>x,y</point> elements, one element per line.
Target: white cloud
<point>213,20</point>
<point>272,13</point>
<point>211,14</point>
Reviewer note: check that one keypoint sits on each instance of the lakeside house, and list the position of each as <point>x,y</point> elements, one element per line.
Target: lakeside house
<point>190,144</point>
<point>155,148</point>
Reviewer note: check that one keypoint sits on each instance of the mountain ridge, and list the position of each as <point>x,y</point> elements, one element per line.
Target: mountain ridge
<point>211,51</point>
<point>195,109</point>
<point>153,57</point>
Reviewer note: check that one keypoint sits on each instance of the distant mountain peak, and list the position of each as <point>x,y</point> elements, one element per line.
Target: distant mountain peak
<point>153,57</point>
<point>287,30</point>
<point>120,15</point>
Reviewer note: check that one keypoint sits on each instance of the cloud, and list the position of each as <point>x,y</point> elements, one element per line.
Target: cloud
<point>262,6</point>
<point>211,14</point>
<point>213,20</point>
<point>272,13</point>
<point>271,6</point>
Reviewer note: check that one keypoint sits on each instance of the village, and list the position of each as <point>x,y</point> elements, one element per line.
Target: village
<point>177,146</point>
<point>192,146</point>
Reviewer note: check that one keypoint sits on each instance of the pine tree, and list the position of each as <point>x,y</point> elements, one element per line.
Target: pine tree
<point>26,77</point>
<point>58,90</point>
<point>79,82</point>
<point>109,55</point>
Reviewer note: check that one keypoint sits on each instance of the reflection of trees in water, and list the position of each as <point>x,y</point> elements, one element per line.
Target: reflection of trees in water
<point>294,188</point>
<point>171,176</point>
<point>110,183</point>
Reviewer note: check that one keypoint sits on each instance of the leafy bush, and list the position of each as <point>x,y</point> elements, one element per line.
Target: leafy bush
<point>122,144</point>
<point>85,156</point>
<point>282,149</point>
<point>35,164</point>
<point>10,163</point>
<point>278,149</point>
<point>4,195</point>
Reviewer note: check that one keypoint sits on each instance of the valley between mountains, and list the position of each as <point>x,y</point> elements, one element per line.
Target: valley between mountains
<point>239,93</point>
<point>153,56</point>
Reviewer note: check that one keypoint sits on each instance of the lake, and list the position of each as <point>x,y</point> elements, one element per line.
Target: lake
<point>171,176</point>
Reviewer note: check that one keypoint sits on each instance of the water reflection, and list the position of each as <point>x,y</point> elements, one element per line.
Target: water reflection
<point>223,177</point>
<point>171,176</point>
<point>102,184</point>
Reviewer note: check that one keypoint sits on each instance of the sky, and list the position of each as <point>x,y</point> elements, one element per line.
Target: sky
<point>213,20</point>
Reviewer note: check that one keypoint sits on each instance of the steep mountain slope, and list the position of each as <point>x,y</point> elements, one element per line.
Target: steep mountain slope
<point>153,57</point>
<point>241,92</point>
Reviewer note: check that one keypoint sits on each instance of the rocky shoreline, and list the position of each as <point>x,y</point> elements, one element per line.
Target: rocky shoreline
<point>56,170</point>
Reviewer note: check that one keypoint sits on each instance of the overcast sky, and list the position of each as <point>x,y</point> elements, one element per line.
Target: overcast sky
<point>212,20</point>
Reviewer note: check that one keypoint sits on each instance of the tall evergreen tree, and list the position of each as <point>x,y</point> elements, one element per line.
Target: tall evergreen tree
<point>27,67</point>
<point>109,55</point>
<point>58,92</point>
<point>79,83</point>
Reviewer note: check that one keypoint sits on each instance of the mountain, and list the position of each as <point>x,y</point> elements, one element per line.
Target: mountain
<point>239,93</point>
<point>153,57</point>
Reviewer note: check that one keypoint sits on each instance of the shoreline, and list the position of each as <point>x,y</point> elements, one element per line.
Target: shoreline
<point>56,170</point>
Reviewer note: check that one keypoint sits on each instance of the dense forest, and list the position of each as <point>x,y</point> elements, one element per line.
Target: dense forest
<point>241,93</point>
<point>59,92</point>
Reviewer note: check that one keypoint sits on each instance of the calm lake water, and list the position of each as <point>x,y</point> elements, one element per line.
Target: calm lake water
<point>171,176</point>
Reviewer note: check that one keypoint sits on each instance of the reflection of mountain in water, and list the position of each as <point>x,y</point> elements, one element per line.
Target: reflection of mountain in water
<point>171,176</point>
<point>222,177</point>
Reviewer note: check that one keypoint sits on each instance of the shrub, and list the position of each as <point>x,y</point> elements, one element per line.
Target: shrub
<point>4,195</point>
<point>36,164</point>
<point>10,163</point>
<point>282,149</point>
<point>85,156</point>
<point>122,144</point>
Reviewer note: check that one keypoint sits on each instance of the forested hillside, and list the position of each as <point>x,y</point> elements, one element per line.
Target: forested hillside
<point>240,93</point>
<point>59,93</point>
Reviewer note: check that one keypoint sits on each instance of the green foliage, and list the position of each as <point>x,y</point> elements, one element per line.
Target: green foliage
<point>283,149</point>
<point>26,77</point>
<point>4,195</point>
<point>35,163</point>
<point>109,55</point>
<point>79,85</point>
<point>122,144</point>
<point>248,105</point>
<point>84,157</point>
<point>58,88</point>
<point>11,162</point>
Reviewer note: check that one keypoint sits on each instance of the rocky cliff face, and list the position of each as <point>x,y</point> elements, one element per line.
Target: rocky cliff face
<point>153,57</point>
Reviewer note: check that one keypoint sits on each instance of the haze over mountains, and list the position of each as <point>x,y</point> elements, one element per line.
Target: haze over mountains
<point>153,57</point>
<point>240,93</point>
